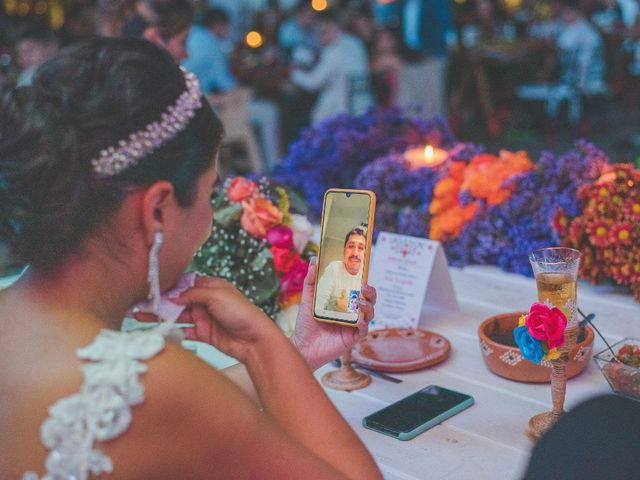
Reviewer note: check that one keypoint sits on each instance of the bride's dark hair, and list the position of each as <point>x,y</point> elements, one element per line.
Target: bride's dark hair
<point>86,99</point>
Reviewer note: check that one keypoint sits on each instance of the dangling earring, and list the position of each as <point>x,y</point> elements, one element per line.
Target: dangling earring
<point>154,273</point>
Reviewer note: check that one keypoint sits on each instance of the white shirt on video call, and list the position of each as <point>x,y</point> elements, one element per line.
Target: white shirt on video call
<point>334,282</point>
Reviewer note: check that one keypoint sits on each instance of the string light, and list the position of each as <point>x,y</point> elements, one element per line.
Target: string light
<point>254,39</point>
<point>10,6</point>
<point>23,9</point>
<point>40,7</point>
<point>319,5</point>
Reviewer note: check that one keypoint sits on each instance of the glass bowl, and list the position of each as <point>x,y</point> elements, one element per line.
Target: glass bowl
<point>622,378</point>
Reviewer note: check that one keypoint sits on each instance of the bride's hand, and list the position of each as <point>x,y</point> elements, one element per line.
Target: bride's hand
<point>223,317</point>
<point>320,342</point>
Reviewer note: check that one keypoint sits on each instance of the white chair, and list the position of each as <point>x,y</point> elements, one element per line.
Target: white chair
<point>555,94</point>
<point>233,109</point>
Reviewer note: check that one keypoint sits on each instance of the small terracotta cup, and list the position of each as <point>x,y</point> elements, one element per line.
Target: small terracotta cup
<point>508,362</point>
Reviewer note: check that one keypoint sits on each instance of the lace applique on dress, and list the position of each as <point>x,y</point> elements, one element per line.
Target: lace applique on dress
<point>102,409</point>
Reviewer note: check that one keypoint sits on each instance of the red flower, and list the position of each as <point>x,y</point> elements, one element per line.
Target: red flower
<point>292,282</point>
<point>622,273</point>
<point>599,233</point>
<point>560,222</point>
<point>283,258</point>
<point>632,209</point>
<point>621,234</point>
<point>546,324</point>
<point>240,189</point>
<point>280,236</point>
<point>577,230</point>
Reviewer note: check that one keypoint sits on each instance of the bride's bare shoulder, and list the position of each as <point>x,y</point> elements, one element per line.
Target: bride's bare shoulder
<point>189,411</point>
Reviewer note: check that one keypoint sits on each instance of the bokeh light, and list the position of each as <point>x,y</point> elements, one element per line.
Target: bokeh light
<point>254,39</point>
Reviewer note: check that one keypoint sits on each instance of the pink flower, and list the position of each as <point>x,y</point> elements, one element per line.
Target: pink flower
<point>283,258</point>
<point>281,237</point>
<point>547,324</point>
<point>259,215</point>
<point>292,282</point>
<point>240,189</point>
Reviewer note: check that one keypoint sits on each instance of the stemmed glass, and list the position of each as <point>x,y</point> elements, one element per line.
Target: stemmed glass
<point>556,272</point>
<point>346,377</point>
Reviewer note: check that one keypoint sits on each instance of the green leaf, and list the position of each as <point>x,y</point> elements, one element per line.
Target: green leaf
<point>227,216</point>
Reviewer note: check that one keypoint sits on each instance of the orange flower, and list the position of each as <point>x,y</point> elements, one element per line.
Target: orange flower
<point>259,215</point>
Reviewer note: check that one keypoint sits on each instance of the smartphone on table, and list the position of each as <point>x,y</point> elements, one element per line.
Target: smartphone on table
<point>420,411</point>
<point>343,261</point>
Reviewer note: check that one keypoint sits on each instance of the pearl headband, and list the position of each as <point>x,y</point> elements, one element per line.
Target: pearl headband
<point>175,119</point>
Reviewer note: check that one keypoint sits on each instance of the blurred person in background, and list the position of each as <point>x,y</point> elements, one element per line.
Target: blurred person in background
<point>208,59</point>
<point>386,64</point>
<point>298,35</point>
<point>582,51</point>
<point>343,61</point>
<point>168,24</point>
<point>34,47</point>
<point>425,27</point>
<point>360,22</point>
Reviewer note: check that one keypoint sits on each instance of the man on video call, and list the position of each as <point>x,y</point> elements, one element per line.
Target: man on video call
<point>342,276</point>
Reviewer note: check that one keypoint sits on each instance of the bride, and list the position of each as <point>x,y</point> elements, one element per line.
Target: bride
<point>107,165</point>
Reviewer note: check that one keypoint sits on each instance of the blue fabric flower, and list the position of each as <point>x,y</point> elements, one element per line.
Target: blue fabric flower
<point>529,346</point>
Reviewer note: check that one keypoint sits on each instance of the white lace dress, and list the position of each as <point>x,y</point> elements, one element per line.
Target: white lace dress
<point>102,409</point>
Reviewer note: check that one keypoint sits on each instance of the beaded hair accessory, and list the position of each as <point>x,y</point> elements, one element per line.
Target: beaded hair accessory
<point>127,153</point>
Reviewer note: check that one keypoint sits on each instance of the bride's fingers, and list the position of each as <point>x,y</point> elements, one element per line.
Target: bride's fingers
<point>196,295</point>
<point>310,279</point>
<point>363,328</point>
<point>369,293</point>
<point>368,310</point>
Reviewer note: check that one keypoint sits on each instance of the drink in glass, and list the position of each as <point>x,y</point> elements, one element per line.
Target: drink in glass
<point>556,272</point>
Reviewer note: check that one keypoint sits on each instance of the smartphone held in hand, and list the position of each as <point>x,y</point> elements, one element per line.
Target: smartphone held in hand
<point>343,262</point>
<point>420,411</point>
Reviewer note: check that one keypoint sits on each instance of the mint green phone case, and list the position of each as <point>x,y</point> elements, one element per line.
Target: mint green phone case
<point>463,404</point>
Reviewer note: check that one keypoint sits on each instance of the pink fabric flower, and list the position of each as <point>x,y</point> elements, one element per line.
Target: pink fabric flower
<point>259,215</point>
<point>548,324</point>
<point>281,237</point>
<point>240,189</point>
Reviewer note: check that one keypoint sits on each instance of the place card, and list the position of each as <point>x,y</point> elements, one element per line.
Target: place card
<point>407,273</point>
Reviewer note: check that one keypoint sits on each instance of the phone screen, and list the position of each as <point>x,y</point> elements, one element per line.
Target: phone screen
<point>344,253</point>
<point>410,413</point>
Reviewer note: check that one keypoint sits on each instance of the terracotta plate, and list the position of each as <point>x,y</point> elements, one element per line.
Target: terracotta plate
<point>400,350</point>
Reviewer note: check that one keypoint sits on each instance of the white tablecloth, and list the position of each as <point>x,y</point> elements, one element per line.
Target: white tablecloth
<point>486,441</point>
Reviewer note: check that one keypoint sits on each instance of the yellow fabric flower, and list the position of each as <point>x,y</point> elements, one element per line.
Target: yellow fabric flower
<point>552,354</point>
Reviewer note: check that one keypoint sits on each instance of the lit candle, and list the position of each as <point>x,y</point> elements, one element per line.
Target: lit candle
<point>425,157</point>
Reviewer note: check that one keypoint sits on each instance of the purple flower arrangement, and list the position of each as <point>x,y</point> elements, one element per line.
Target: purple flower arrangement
<point>334,152</point>
<point>403,193</point>
<point>505,234</point>
<point>366,152</point>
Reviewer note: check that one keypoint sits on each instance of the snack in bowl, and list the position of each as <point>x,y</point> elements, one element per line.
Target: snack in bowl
<point>623,375</point>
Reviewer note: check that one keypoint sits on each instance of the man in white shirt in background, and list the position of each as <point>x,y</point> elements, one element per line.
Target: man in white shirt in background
<point>208,59</point>
<point>341,75</point>
<point>341,277</point>
<point>582,47</point>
